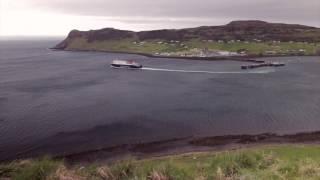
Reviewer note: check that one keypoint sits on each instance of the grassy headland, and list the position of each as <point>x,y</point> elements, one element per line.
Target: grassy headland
<point>237,38</point>
<point>266,162</point>
<point>195,47</point>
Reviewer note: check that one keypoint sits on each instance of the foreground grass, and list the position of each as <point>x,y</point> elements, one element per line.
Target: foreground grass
<point>281,162</point>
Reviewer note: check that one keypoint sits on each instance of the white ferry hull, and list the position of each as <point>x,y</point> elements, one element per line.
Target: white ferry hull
<point>125,64</point>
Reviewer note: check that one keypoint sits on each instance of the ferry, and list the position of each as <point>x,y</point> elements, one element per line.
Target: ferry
<point>125,64</point>
<point>271,64</point>
<point>277,64</point>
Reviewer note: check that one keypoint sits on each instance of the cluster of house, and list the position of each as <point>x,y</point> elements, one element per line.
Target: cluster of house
<point>168,42</point>
<point>293,52</point>
<point>232,41</point>
<point>171,43</point>
<point>253,40</point>
<point>197,52</point>
<point>175,42</point>
<point>139,43</point>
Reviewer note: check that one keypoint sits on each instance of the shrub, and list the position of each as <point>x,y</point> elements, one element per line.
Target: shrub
<point>289,170</point>
<point>230,169</point>
<point>6,171</point>
<point>246,160</point>
<point>123,170</point>
<point>267,161</point>
<point>156,175</point>
<point>174,173</point>
<point>105,173</point>
<point>37,170</point>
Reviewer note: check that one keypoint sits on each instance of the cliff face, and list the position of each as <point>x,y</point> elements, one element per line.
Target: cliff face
<point>96,35</point>
<point>236,30</point>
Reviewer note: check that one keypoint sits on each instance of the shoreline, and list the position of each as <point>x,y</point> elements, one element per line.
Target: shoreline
<point>217,58</point>
<point>176,146</point>
<point>188,145</point>
<point>251,58</point>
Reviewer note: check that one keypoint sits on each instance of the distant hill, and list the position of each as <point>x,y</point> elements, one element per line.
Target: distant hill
<point>255,37</point>
<point>235,30</point>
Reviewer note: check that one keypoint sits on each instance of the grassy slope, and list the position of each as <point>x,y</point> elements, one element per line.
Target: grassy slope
<point>256,48</point>
<point>126,45</point>
<point>280,162</point>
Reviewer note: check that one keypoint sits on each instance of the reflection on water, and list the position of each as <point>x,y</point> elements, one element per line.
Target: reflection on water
<point>264,71</point>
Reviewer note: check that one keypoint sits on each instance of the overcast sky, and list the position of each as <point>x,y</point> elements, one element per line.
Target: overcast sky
<point>58,17</point>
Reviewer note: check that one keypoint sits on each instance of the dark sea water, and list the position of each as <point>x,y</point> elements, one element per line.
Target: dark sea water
<point>65,102</point>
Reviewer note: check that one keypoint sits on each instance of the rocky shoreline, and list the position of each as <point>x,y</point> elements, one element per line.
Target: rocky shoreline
<point>188,145</point>
<point>251,58</point>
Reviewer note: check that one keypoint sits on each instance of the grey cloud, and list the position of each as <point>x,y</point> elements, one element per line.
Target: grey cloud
<point>290,11</point>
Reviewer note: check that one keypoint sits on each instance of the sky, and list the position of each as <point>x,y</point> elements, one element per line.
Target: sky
<point>58,17</point>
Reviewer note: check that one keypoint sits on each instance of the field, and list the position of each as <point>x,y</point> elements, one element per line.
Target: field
<point>272,162</point>
<point>195,46</point>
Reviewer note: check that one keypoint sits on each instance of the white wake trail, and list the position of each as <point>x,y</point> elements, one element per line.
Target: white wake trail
<point>211,72</point>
